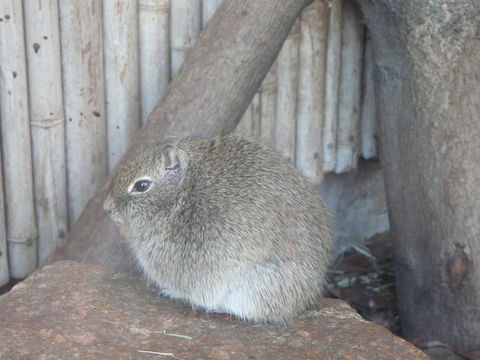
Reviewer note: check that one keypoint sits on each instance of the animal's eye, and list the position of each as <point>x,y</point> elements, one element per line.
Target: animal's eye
<point>140,186</point>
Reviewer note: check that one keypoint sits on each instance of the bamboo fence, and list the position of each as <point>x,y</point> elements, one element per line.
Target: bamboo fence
<point>185,26</point>
<point>79,77</point>
<point>154,40</point>
<point>84,100</point>
<point>122,77</point>
<point>47,122</point>
<point>16,143</point>
<point>348,129</point>
<point>368,128</point>
<point>332,81</point>
<point>4,272</point>
<point>268,111</point>
<point>208,9</point>
<point>286,111</point>
<point>311,94</point>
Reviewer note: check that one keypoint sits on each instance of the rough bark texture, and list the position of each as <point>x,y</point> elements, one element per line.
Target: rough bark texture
<point>428,91</point>
<point>76,311</point>
<point>208,96</point>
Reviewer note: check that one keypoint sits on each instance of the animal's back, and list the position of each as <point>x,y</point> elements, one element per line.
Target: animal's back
<point>267,224</point>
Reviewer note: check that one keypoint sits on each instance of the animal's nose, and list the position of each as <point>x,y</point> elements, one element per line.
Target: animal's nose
<point>108,205</point>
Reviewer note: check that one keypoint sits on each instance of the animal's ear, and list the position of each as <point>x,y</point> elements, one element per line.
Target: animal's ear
<point>175,162</point>
<point>170,159</point>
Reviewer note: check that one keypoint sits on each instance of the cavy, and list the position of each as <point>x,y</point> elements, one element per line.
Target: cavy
<point>226,225</point>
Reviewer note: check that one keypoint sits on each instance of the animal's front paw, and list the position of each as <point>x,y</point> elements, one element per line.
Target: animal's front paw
<point>166,292</point>
<point>169,293</point>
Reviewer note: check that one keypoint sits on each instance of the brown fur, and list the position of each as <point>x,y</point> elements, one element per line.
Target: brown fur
<point>227,225</point>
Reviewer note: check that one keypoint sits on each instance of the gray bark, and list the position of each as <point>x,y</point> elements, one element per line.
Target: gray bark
<point>427,57</point>
<point>208,96</point>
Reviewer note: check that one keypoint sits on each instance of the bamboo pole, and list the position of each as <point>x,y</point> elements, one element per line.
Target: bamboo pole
<point>368,120</point>
<point>256,115</point>
<point>154,34</point>
<point>122,91</point>
<point>4,273</point>
<point>310,111</point>
<point>15,128</point>
<point>185,26</point>
<point>348,131</point>
<point>287,94</point>
<point>268,98</point>
<point>332,80</point>
<point>244,126</point>
<point>82,61</point>
<point>208,9</point>
<point>47,123</point>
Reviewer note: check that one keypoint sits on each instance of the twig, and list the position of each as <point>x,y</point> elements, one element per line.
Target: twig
<point>176,335</point>
<point>159,353</point>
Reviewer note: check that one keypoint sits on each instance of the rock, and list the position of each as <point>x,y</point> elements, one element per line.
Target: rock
<point>69,310</point>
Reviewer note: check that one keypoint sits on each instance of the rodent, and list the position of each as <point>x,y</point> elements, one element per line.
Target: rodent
<point>225,224</point>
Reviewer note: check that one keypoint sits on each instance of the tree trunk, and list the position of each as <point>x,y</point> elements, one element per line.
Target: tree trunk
<point>427,71</point>
<point>208,96</point>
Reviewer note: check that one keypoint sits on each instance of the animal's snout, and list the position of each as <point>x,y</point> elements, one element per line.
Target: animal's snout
<point>108,205</point>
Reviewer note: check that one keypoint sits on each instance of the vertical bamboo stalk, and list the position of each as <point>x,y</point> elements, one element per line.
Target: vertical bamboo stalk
<point>4,273</point>
<point>21,226</point>
<point>120,29</point>
<point>348,131</point>
<point>310,110</point>
<point>268,99</point>
<point>245,124</point>
<point>47,122</point>
<point>332,80</point>
<point>185,25</point>
<point>208,9</point>
<point>287,94</point>
<point>82,61</point>
<point>154,34</point>
<point>368,121</point>
<point>256,115</point>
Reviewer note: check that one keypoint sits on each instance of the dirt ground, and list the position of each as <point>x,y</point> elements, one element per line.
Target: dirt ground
<point>364,276</point>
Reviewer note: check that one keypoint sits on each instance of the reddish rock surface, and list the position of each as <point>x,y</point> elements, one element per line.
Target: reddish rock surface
<point>69,310</point>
